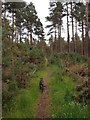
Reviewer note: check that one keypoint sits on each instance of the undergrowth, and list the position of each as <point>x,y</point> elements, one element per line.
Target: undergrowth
<point>62,103</point>
<point>24,104</point>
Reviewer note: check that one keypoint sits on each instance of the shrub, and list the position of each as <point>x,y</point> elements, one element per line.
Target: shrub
<point>13,86</point>
<point>66,59</point>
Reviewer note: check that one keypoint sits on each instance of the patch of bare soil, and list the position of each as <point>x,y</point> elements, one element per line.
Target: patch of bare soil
<point>43,110</point>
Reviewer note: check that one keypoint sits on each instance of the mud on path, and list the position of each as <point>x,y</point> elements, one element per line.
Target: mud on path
<point>43,110</point>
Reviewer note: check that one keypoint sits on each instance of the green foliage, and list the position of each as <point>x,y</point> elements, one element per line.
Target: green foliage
<point>66,59</point>
<point>9,91</point>
<point>24,104</point>
<point>54,59</point>
<point>63,104</point>
<point>6,62</point>
<point>36,56</point>
<point>13,86</point>
<point>25,18</point>
<point>20,63</point>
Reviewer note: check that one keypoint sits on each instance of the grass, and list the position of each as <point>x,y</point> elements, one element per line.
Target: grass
<point>73,109</point>
<point>24,105</point>
<point>62,102</point>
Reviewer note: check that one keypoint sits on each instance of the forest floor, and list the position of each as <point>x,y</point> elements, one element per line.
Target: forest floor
<point>43,110</point>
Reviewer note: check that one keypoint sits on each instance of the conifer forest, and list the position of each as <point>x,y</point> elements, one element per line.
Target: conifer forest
<point>45,75</point>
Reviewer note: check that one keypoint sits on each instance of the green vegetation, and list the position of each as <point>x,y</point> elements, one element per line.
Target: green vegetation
<point>24,104</point>
<point>21,63</point>
<point>63,104</point>
<point>27,55</point>
<point>23,66</point>
<point>65,59</point>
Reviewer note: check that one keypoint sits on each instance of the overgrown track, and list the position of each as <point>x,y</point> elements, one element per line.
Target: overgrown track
<point>43,110</point>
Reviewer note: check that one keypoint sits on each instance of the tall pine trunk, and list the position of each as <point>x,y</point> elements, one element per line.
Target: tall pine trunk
<point>59,36</point>
<point>31,38</point>
<point>76,41</point>
<point>87,37</point>
<point>12,27</point>
<point>82,38</point>
<point>72,28</point>
<point>76,44</point>
<point>20,35</point>
<point>55,40</point>
<point>68,39</point>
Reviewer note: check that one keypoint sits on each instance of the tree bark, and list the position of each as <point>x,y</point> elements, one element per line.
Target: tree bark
<point>12,27</point>
<point>59,36</point>
<point>87,37</point>
<point>20,36</point>
<point>31,38</point>
<point>72,28</point>
<point>68,30</point>
<point>82,38</point>
<point>55,40</point>
<point>76,49</point>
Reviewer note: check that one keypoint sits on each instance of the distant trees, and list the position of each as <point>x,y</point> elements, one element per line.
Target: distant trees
<point>75,11</point>
<point>55,17</point>
<point>30,17</point>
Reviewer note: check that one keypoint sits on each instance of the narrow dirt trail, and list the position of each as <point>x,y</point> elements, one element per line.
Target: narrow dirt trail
<point>43,110</point>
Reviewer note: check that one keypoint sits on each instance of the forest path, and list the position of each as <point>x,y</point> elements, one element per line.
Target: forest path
<point>43,110</point>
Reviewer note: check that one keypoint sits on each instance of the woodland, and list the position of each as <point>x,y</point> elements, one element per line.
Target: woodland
<point>28,56</point>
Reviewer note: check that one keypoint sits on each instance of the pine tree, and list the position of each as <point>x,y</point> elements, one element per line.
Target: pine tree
<point>39,30</point>
<point>55,17</point>
<point>30,17</point>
